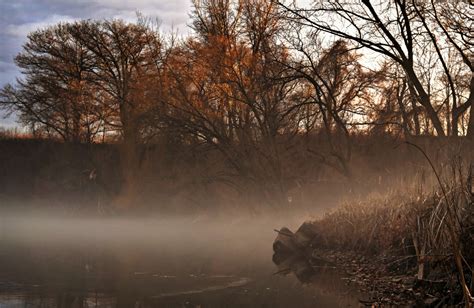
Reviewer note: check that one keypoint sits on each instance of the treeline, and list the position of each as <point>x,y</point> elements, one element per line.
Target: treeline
<point>273,91</point>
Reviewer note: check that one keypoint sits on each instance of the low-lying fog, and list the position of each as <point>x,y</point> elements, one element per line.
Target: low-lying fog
<point>172,240</point>
<point>48,261</point>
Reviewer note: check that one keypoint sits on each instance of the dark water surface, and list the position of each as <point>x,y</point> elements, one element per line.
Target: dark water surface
<point>173,262</point>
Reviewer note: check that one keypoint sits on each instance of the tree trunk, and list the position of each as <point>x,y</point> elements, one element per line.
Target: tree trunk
<point>470,125</point>
<point>424,100</point>
<point>128,158</point>
<point>401,106</point>
<point>454,123</point>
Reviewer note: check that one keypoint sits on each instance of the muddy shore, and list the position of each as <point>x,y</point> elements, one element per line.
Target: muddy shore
<point>382,279</point>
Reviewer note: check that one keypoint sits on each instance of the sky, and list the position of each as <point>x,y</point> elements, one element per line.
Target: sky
<point>19,17</point>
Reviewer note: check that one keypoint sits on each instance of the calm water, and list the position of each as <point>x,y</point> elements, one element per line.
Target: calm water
<point>64,262</point>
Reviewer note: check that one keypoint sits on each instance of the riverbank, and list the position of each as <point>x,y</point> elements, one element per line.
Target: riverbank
<point>386,280</point>
<point>397,249</point>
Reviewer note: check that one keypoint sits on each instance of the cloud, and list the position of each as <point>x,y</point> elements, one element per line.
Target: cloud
<point>20,17</point>
<point>21,31</point>
<point>8,72</point>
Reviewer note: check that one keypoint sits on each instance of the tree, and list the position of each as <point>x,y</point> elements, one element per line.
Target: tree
<point>229,92</point>
<point>395,29</point>
<point>454,50</point>
<point>54,95</point>
<point>455,23</point>
<point>338,86</point>
<point>124,58</point>
<point>91,77</point>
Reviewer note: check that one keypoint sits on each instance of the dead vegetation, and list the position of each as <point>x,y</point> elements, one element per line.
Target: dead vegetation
<point>424,240</point>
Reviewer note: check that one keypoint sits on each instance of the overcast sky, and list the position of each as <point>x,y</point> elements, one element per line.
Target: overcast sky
<point>19,17</point>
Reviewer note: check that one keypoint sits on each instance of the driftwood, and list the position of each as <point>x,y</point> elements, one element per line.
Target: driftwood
<point>295,243</point>
<point>293,251</point>
<point>284,242</point>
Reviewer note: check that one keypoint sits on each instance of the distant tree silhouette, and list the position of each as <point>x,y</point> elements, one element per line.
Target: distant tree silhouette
<point>54,95</point>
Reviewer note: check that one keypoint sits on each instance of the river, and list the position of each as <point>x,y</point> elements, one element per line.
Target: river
<point>154,262</point>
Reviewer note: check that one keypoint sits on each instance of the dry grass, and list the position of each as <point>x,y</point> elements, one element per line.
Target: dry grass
<point>437,227</point>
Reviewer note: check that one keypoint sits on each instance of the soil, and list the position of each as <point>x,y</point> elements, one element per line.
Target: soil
<point>383,279</point>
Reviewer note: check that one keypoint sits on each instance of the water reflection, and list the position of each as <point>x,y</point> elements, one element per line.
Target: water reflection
<point>155,263</point>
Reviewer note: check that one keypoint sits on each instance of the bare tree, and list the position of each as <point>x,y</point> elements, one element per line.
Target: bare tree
<point>54,95</point>
<point>455,22</point>
<point>391,29</point>
<point>338,87</point>
<point>124,58</point>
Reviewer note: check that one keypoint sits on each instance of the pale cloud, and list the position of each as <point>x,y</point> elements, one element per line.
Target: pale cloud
<point>20,17</point>
<point>21,31</point>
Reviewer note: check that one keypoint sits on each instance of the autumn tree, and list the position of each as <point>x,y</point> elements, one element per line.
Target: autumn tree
<point>90,77</point>
<point>125,57</point>
<point>53,95</point>
<point>230,92</point>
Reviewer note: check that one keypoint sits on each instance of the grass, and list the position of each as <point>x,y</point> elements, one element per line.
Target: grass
<point>437,227</point>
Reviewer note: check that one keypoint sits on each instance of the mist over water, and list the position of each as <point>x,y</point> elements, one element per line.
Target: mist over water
<point>153,262</point>
<point>172,237</point>
<point>152,169</point>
